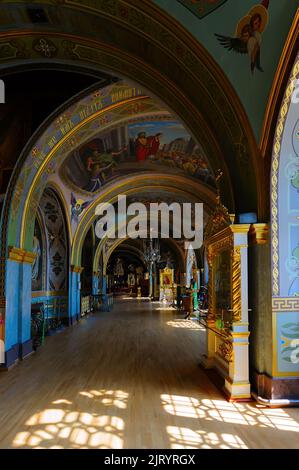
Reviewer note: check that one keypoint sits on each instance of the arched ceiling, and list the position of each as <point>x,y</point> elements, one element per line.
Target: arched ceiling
<point>167,246</point>
<point>138,41</point>
<point>204,19</point>
<point>141,137</point>
<point>95,114</point>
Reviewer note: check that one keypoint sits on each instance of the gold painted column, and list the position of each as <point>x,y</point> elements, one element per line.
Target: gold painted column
<point>237,385</point>
<point>75,293</point>
<point>227,340</point>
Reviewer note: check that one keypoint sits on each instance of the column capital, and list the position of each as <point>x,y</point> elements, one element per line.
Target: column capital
<point>76,269</point>
<point>259,234</point>
<point>20,255</point>
<point>239,228</point>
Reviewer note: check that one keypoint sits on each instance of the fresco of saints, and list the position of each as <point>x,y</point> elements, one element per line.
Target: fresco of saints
<point>98,165</point>
<point>248,37</point>
<point>141,147</point>
<point>77,207</point>
<point>153,143</point>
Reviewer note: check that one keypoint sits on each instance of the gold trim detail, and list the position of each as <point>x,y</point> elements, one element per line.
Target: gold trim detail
<point>226,351</point>
<point>259,234</point>
<point>240,335</point>
<point>285,304</point>
<point>55,149</point>
<point>76,269</point>
<point>20,256</point>
<point>50,293</point>
<point>236,284</point>
<point>220,219</point>
<point>274,177</point>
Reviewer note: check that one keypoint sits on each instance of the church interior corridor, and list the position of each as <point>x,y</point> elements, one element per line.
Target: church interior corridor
<point>149,227</point>
<point>130,378</point>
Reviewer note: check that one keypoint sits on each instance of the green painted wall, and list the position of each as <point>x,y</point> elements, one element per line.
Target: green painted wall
<point>253,90</point>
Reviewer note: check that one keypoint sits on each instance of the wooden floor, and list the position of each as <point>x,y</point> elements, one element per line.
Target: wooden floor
<point>130,379</point>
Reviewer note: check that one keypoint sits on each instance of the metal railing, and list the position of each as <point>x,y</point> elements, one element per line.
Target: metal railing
<point>46,316</point>
<point>102,302</point>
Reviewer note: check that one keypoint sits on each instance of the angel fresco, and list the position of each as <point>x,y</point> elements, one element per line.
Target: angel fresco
<point>77,207</point>
<point>248,37</point>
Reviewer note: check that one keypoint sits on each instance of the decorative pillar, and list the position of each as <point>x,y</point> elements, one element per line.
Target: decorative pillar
<point>104,284</point>
<point>227,348</point>
<point>237,383</point>
<point>75,290</point>
<point>260,293</point>
<point>95,283</point>
<point>17,337</point>
<point>25,304</point>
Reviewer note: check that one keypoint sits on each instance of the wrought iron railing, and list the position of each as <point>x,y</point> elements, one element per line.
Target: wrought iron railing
<point>102,302</point>
<point>46,316</point>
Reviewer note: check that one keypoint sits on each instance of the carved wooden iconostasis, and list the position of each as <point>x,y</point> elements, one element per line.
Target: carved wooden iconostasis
<point>227,319</point>
<point>167,285</point>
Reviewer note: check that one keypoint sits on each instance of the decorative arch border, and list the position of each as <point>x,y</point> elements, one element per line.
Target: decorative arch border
<point>42,155</point>
<point>285,307</point>
<point>119,241</point>
<point>275,176</point>
<point>170,183</point>
<point>57,141</point>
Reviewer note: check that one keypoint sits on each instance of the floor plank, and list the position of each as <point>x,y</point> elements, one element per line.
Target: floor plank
<point>130,379</point>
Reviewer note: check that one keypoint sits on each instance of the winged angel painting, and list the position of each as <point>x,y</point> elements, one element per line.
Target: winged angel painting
<point>248,36</point>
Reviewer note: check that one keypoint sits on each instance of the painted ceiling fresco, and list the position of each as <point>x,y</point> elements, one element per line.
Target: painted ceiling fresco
<point>243,45</point>
<point>142,146</point>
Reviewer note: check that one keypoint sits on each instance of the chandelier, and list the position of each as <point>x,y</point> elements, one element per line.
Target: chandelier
<point>151,251</point>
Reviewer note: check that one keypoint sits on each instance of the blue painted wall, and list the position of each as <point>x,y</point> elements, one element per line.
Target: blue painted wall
<point>74,299</point>
<point>25,303</point>
<point>95,284</point>
<point>12,304</point>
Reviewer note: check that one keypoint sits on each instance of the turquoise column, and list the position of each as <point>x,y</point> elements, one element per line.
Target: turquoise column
<point>25,309</point>
<point>95,283</point>
<point>18,305</point>
<point>75,290</point>
<point>104,292</point>
<point>12,290</point>
<point>104,284</point>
